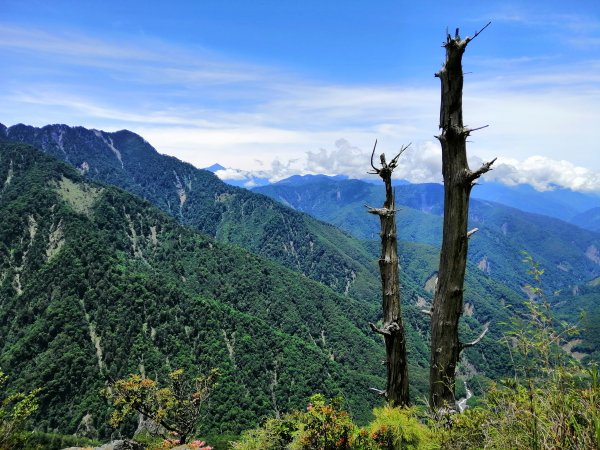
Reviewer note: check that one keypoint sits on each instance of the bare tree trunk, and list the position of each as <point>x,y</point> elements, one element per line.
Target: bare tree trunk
<point>458,181</point>
<point>396,391</point>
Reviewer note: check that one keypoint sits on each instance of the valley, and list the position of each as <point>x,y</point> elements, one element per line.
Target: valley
<point>173,268</point>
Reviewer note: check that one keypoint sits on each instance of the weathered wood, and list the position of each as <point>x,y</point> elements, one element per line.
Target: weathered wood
<point>396,391</point>
<point>476,341</point>
<point>458,181</point>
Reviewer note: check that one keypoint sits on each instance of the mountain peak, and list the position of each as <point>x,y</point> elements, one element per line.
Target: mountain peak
<point>295,179</point>
<point>214,168</point>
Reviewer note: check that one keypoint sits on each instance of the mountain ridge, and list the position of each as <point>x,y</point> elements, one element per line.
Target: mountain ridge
<point>238,217</point>
<point>566,252</point>
<point>198,198</point>
<point>96,282</point>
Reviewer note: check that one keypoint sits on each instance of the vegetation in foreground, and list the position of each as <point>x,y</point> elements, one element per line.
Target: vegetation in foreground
<point>176,408</point>
<point>558,411</point>
<point>551,402</point>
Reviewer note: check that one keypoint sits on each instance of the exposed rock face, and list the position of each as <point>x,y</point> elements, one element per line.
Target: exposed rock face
<point>592,254</point>
<point>484,265</point>
<point>431,283</point>
<point>114,445</point>
<point>147,425</point>
<point>86,427</point>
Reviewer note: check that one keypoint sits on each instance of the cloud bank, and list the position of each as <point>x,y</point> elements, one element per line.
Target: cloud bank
<point>421,163</point>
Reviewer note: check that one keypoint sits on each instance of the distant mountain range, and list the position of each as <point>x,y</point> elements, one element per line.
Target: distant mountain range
<point>561,203</point>
<point>578,208</point>
<point>249,180</point>
<point>569,254</point>
<point>589,219</point>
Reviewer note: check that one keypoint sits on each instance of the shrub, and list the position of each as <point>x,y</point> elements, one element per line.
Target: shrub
<point>399,429</point>
<point>15,409</point>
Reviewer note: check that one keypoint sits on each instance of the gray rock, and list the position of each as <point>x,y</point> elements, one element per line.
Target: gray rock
<point>114,445</point>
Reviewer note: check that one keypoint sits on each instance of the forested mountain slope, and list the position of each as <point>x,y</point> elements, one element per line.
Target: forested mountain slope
<point>559,202</point>
<point>589,219</point>
<point>570,255</point>
<point>198,198</point>
<point>95,282</point>
<point>129,284</point>
<point>586,302</point>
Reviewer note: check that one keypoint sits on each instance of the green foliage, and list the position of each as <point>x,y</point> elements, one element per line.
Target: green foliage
<point>323,426</point>
<point>53,441</point>
<point>560,412</point>
<point>176,407</point>
<point>274,434</point>
<point>551,402</point>
<point>567,415</point>
<point>15,409</point>
<point>120,287</point>
<point>399,428</point>
<point>326,425</point>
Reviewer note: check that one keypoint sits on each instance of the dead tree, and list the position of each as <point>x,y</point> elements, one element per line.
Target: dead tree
<point>458,181</point>
<point>396,391</point>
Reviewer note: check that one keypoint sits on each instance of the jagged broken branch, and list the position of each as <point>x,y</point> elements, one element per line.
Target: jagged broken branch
<point>476,341</point>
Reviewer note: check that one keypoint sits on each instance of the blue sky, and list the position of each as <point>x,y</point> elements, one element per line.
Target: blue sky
<point>284,87</point>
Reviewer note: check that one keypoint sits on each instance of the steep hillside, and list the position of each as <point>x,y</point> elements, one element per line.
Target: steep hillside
<point>341,202</point>
<point>198,198</point>
<point>569,255</point>
<point>172,261</point>
<point>96,283</point>
<point>559,203</point>
<point>585,346</point>
<point>590,219</point>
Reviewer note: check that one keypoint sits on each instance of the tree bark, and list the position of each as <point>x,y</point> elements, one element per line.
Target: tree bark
<point>458,181</point>
<point>396,391</point>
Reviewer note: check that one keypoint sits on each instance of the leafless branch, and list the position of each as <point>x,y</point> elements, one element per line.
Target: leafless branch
<point>476,341</point>
<point>378,391</point>
<point>472,232</point>
<point>468,131</point>
<point>468,39</point>
<point>394,161</point>
<point>485,167</point>
<point>379,330</point>
<point>372,155</point>
<point>381,211</point>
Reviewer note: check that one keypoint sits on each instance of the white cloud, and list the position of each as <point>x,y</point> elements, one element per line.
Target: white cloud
<point>422,163</point>
<point>232,174</point>
<point>545,174</point>
<point>419,164</point>
<point>149,60</point>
